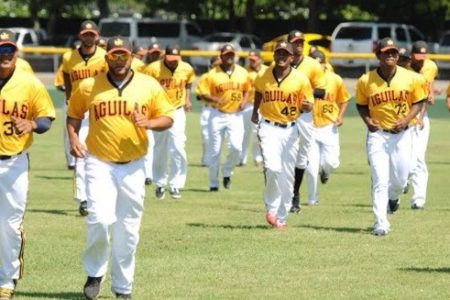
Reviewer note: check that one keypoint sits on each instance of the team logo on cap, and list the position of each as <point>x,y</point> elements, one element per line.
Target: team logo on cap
<point>283,45</point>
<point>175,51</point>
<point>118,42</point>
<point>88,26</point>
<point>228,47</point>
<point>156,46</point>
<point>297,34</point>
<point>4,36</point>
<point>423,50</point>
<point>390,42</point>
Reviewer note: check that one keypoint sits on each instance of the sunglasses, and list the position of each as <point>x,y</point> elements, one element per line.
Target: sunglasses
<point>119,56</point>
<point>8,49</point>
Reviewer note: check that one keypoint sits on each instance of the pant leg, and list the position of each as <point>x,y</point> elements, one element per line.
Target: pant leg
<point>13,198</point>
<point>204,124</point>
<point>419,170</point>
<point>177,151</point>
<point>330,148</point>
<point>400,162</point>
<point>129,210</point>
<point>102,197</point>
<point>160,158</point>
<point>235,131</point>
<point>248,130</point>
<point>70,159</point>
<point>312,171</point>
<point>305,128</point>
<point>80,173</point>
<point>148,161</point>
<point>218,123</point>
<point>378,155</point>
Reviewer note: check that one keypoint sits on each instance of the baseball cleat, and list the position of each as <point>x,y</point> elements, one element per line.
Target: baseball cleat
<point>175,193</point>
<point>271,219</point>
<point>213,189</point>
<point>160,193</point>
<point>227,182</point>
<point>92,287</point>
<point>123,296</point>
<point>6,294</point>
<point>295,208</point>
<point>324,177</point>
<point>83,208</point>
<point>393,205</point>
<point>406,189</point>
<point>148,181</point>
<point>379,232</point>
<point>70,167</point>
<point>416,206</point>
<point>279,226</point>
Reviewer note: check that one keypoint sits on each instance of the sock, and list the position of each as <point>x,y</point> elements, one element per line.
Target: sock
<point>298,180</point>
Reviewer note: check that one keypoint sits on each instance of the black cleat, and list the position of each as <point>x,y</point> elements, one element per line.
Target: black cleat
<point>415,206</point>
<point>393,205</point>
<point>123,296</point>
<point>175,193</point>
<point>296,207</point>
<point>148,181</point>
<point>227,182</point>
<point>160,193</point>
<point>324,177</point>
<point>406,189</point>
<point>70,167</point>
<point>213,189</point>
<point>83,208</point>
<point>92,287</point>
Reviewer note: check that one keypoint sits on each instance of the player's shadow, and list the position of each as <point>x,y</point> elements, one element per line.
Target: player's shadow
<point>55,177</point>
<point>64,212</point>
<point>357,230</point>
<point>426,270</point>
<point>198,190</point>
<point>228,226</point>
<point>358,205</point>
<point>438,162</point>
<point>36,295</point>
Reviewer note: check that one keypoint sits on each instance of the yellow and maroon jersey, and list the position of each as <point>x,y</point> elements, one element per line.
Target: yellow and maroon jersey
<point>79,68</point>
<point>313,70</point>
<point>202,88</point>
<point>59,77</point>
<point>228,87</point>
<point>282,100</point>
<point>137,65</point>
<point>448,91</point>
<point>113,135</point>
<point>174,83</point>
<point>22,96</point>
<point>24,65</point>
<point>429,70</point>
<point>252,74</point>
<point>326,110</point>
<point>390,101</point>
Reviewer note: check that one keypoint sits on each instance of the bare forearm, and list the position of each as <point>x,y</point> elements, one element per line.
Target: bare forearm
<point>160,123</point>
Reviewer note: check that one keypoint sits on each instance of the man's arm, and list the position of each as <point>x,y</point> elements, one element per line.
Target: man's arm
<point>73,127</point>
<point>188,105</point>
<point>255,116</point>
<point>372,124</point>
<point>342,109</point>
<point>68,85</point>
<point>156,124</point>
<point>415,109</point>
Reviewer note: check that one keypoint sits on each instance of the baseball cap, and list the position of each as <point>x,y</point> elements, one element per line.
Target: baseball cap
<point>139,50</point>
<point>404,52</point>
<point>118,43</point>
<point>318,55</point>
<point>172,53</point>
<point>227,48</point>
<point>419,50</point>
<point>88,26</point>
<point>154,48</point>
<point>254,55</point>
<point>284,45</point>
<point>295,35</point>
<point>386,44</point>
<point>7,37</point>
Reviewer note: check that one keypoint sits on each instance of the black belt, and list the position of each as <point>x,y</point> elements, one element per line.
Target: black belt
<point>280,124</point>
<point>121,162</point>
<point>6,157</point>
<point>178,107</point>
<point>395,131</point>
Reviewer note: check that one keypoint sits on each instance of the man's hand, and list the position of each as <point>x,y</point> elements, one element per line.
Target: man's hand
<point>77,149</point>
<point>373,125</point>
<point>306,106</point>
<point>401,124</point>
<point>141,120</point>
<point>23,126</point>
<point>255,118</point>
<point>188,106</point>
<point>339,121</point>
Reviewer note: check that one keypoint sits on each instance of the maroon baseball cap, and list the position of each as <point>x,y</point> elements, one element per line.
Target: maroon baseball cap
<point>227,48</point>
<point>118,43</point>
<point>284,46</point>
<point>173,53</point>
<point>7,37</point>
<point>386,44</point>
<point>419,50</point>
<point>154,48</point>
<point>254,55</point>
<point>88,26</point>
<point>295,35</point>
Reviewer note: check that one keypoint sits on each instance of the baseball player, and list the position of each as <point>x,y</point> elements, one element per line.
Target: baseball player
<point>448,97</point>
<point>170,161</point>
<point>122,105</point>
<point>312,69</point>
<point>254,68</point>
<point>25,108</point>
<point>139,54</point>
<point>328,115</point>
<point>200,89</point>
<point>153,54</point>
<point>86,61</point>
<point>387,99</point>
<point>421,131</point>
<point>281,93</point>
<point>404,57</point>
<point>228,86</point>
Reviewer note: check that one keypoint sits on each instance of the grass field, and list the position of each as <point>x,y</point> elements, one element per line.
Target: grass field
<point>218,246</point>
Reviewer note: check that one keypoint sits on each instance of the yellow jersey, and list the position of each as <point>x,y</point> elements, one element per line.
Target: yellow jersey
<point>252,74</point>
<point>59,77</point>
<point>390,101</point>
<point>79,68</point>
<point>21,96</point>
<point>137,65</point>
<point>313,70</point>
<point>113,135</point>
<point>326,110</point>
<point>230,87</point>
<point>24,65</point>
<point>282,100</point>
<point>429,70</point>
<point>202,88</point>
<point>174,83</point>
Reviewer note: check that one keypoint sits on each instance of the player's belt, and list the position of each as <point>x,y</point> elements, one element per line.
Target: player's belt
<point>178,107</point>
<point>121,162</point>
<point>395,131</point>
<point>277,124</point>
<point>6,157</point>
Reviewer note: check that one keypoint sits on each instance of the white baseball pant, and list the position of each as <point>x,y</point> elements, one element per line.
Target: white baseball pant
<point>419,171</point>
<point>279,147</point>
<point>221,125</point>
<point>13,199</point>
<point>70,159</point>
<point>389,158</point>
<point>250,137</point>
<point>148,160</point>
<point>115,204</point>
<point>80,173</point>
<point>170,149</point>
<point>305,126</point>
<point>324,155</point>
<point>204,125</point>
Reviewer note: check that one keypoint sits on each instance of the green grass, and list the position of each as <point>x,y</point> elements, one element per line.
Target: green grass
<point>218,246</point>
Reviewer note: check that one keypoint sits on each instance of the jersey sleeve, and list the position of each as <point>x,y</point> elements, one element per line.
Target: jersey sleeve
<point>78,102</point>
<point>160,103</point>
<point>307,91</point>
<point>202,86</point>
<point>360,96</point>
<point>342,93</point>
<point>318,80</point>
<point>191,75</point>
<point>65,62</point>
<point>42,103</point>
<point>420,89</point>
